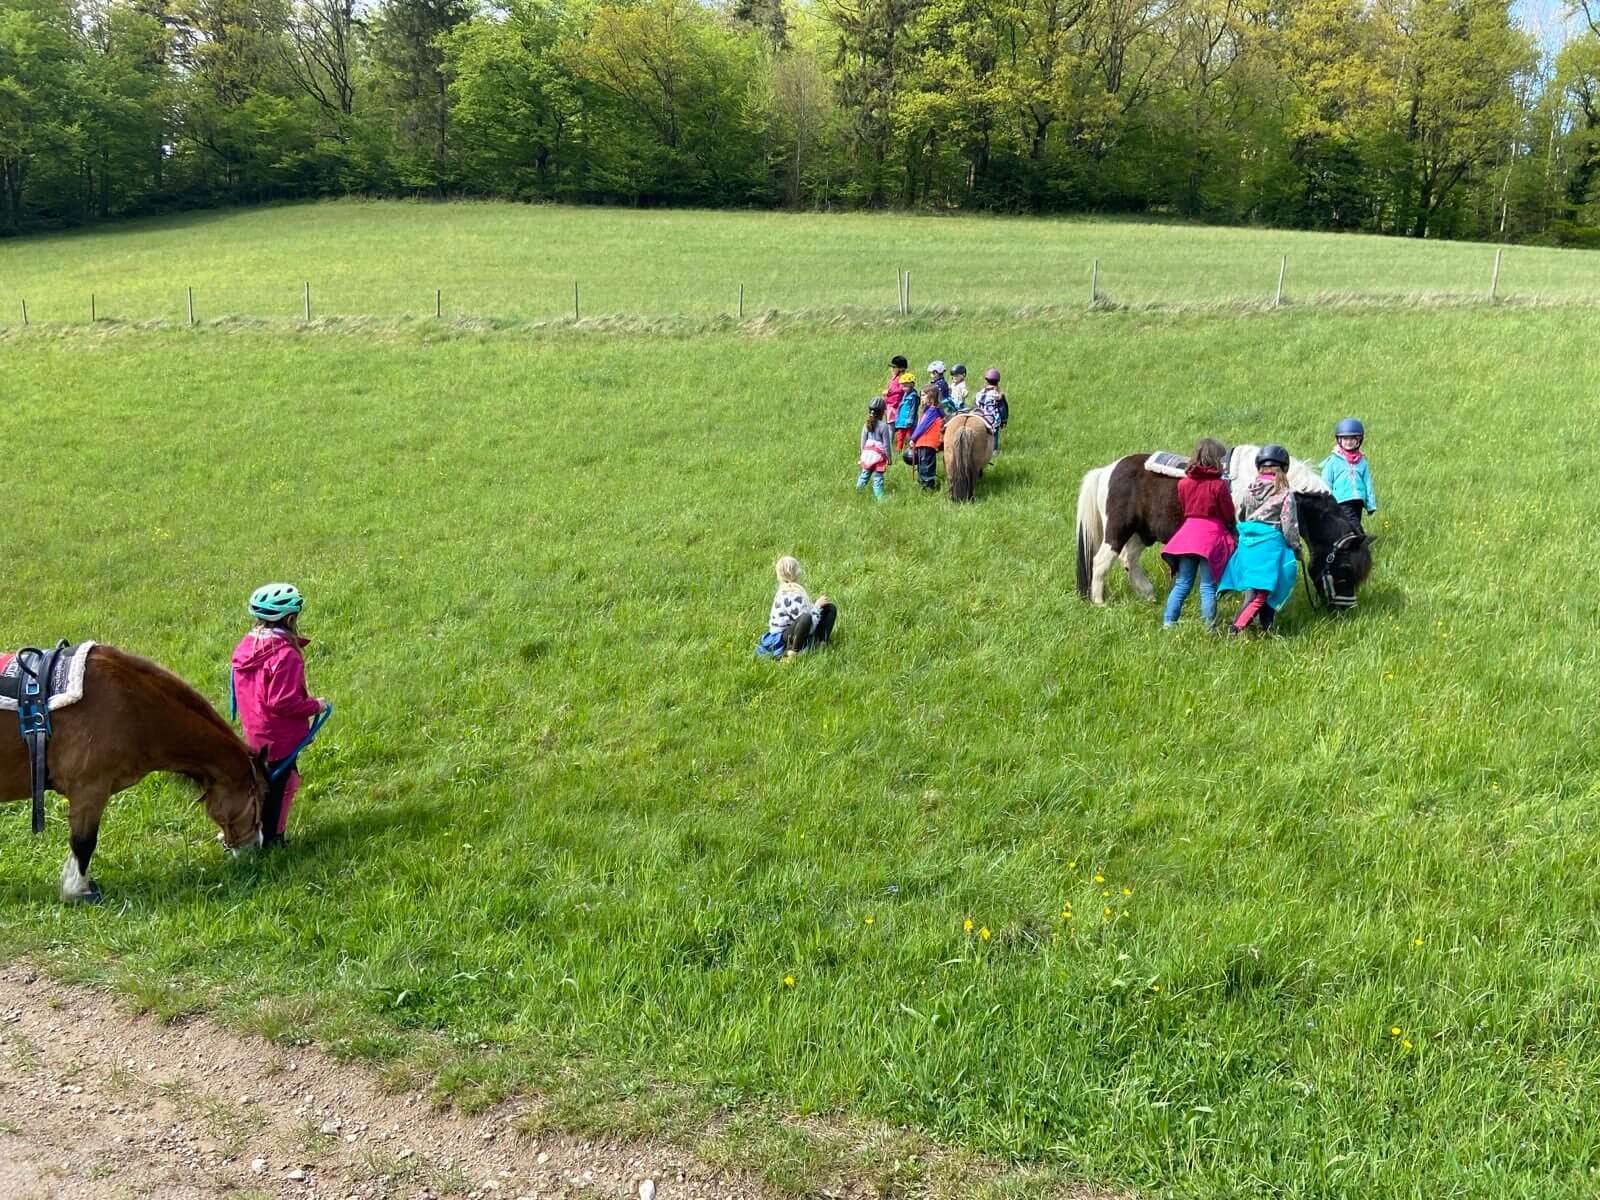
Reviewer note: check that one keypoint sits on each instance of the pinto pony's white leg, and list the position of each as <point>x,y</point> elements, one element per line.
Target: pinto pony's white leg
<point>1103,559</point>
<point>1136,576</point>
<point>75,887</point>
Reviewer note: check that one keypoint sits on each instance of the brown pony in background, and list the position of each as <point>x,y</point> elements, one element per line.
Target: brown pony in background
<point>134,718</point>
<point>968,446</point>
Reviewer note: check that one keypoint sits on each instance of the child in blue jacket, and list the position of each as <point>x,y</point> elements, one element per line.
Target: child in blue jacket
<point>1346,473</point>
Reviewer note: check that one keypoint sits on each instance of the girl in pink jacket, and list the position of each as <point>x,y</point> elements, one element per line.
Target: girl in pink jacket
<point>269,692</point>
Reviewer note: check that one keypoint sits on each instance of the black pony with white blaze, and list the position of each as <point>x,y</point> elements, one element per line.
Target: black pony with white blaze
<point>1124,507</point>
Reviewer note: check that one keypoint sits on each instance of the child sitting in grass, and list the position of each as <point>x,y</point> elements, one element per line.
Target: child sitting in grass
<point>795,623</point>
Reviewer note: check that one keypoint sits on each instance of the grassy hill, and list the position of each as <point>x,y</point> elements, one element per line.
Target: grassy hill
<point>517,261</point>
<point>1305,917</point>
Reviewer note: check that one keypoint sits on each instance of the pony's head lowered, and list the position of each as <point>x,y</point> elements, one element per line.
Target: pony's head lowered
<point>1338,554</point>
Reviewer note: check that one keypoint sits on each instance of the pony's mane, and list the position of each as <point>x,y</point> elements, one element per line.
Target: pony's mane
<point>173,686</point>
<point>1326,510</point>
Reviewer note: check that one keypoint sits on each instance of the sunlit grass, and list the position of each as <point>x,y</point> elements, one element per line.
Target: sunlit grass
<point>496,260</point>
<point>565,819</point>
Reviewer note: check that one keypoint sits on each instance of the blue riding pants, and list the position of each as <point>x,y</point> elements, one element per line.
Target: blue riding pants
<point>1188,566</point>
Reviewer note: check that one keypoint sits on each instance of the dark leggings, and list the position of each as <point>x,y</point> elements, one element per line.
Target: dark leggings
<point>1353,510</point>
<point>811,629</point>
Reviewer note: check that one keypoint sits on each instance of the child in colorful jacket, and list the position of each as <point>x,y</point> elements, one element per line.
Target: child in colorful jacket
<point>958,388</point>
<point>937,380</point>
<point>269,690</point>
<point>905,418</point>
<point>874,449</point>
<point>1203,543</point>
<point>1346,473</point>
<point>928,438</point>
<point>991,405</point>
<point>894,389</point>
<point>1263,565</point>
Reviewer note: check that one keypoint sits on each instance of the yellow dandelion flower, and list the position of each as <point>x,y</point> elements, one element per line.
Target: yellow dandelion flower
<point>1107,892</point>
<point>1127,891</point>
<point>1073,865</point>
<point>1155,987</point>
<point>984,933</point>
<point>788,981</point>
<point>1405,1045</point>
<point>1416,941</point>
<point>1099,878</point>
<point>1394,1031</point>
<point>966,925</point>
<point>869,919</point>
<point>1105,912</point>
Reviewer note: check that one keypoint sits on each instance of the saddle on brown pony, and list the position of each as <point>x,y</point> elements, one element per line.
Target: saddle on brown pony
<point>32,682</point>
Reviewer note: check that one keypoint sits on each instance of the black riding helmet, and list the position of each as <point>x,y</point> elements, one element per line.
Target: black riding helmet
<point>898,362</point>
<point>1273,455</point>
<point>877,407</point>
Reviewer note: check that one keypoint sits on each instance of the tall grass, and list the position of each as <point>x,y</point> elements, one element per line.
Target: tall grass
<point>568,821</point>
<point>516,261</point>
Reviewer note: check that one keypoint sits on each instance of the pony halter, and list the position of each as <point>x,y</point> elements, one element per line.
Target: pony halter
<point>1330,593</point>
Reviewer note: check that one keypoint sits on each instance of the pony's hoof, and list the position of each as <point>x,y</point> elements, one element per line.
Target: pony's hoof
<point>90,895</point>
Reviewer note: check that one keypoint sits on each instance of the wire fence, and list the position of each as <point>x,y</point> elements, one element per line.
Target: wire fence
<point>190,305</point>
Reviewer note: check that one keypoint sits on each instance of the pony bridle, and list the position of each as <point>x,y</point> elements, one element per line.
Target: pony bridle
<point>1325,585</point>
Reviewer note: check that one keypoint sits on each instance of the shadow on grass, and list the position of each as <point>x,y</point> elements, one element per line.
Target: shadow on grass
<point>358,839</point>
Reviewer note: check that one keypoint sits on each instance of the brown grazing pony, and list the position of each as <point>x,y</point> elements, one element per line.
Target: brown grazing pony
<point>136,717</point>
<point>968,445</point>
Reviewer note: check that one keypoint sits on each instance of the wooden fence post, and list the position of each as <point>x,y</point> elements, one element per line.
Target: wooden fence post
<point>741,302</point>
<point>190,292</point>
<point>574,299</point>
<point>438,302</point>
<point>91,308</point>
<point>1494,279</point>
<point>1094,282</point>
<point>1283,265</point>
<point>908,293</point>
<point>24,312</point>
<point>308,301</point>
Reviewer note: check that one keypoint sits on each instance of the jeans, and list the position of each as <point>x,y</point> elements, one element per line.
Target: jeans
<point>927,470</point>
<point>1353,509</point>
<point>877,482</point>
<point>1188,566</point>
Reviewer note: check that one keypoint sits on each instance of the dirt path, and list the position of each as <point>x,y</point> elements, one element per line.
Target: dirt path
<point>96,1104</point>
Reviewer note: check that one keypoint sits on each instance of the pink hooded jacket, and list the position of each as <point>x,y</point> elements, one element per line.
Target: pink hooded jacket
<point>269,686</point>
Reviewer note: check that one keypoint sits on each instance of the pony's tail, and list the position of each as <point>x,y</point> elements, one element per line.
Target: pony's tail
<point>960,465</point>
<point>1091,526</point>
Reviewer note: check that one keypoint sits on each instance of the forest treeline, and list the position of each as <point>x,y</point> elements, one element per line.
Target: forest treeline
<point>1436,118</point>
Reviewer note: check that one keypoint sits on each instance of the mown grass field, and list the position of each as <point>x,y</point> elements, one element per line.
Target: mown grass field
<point>520,262</point>
<point>564,820</point>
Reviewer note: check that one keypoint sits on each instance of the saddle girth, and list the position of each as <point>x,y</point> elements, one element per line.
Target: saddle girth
<point>35,670</point>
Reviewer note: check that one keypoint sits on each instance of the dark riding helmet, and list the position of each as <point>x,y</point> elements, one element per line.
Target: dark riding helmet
<point>898,362</point>
<point>1349,427</point>
<point>877,407</point>
<point>1273,455</point>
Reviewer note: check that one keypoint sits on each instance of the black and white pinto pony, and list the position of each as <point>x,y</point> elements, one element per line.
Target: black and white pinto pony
<point>1124,507</point>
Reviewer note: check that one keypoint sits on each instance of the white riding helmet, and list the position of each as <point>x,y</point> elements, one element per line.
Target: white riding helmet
<point>936,367</point>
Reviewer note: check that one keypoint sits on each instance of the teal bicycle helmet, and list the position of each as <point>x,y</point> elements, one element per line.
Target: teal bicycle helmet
<point>275,601</point>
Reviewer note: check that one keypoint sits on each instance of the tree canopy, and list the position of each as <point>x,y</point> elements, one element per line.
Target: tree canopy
<point>1415,117</point>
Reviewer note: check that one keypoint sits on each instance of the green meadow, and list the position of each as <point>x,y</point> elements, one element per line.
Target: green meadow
<point>1042,887</point>
<point>520,262</point>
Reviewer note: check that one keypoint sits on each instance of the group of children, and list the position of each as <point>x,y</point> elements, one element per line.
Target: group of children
<point>911,421</point>
<point>1251,548</point>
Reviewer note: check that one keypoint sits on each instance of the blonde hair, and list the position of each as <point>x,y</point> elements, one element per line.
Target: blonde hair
<point>788,570</point>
